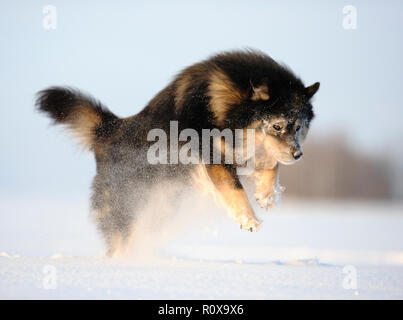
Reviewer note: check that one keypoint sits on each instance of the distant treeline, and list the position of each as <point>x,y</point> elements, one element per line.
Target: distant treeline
<point>330,168</point>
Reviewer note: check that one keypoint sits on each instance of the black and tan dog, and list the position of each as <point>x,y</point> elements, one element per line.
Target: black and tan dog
<point>234,90</point>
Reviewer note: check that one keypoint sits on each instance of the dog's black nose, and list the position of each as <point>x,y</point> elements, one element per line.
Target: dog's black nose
<point>297,154</point>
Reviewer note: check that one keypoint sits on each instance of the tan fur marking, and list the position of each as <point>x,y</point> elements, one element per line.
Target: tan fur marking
<point>181,86</point>
<point>223,95</point>
<point>234,199</point>
<point>260,93</point>
<point>82,123</point>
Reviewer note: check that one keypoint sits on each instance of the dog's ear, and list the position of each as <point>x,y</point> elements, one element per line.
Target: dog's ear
<point>311,90</point>
<point>260,93</point>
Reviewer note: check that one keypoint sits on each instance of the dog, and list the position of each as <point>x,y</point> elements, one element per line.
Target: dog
<point>244,90</point>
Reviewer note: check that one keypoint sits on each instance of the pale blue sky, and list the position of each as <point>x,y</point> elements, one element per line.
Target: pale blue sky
<point>123,52</point>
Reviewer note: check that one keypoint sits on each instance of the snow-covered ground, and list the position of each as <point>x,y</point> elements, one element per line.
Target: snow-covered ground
<point>50,249</point>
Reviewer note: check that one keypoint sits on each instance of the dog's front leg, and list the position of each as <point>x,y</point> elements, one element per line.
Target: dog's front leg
<point>233,196</point>
<point>268,188</point>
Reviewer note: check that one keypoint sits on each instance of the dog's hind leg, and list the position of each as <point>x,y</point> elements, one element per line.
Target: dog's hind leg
<point>118,243</point>
<point>233,196</point>
<point>114,244</point>
<point>117,239</point>
<point>113,218</point>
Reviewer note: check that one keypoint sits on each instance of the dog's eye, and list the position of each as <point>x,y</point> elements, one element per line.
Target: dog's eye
<point>276,127</point>
<point>297,128</point>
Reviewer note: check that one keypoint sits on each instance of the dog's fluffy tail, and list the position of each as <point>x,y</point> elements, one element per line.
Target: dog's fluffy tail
<point>85,117</point>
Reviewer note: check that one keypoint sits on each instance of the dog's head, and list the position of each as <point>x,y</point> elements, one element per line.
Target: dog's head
<point>284,122</point>
<point>251,90</point>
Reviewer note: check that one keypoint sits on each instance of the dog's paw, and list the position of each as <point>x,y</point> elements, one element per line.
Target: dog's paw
<point>270,198</point>
<point>250,224</point>
<point>265,200</point>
